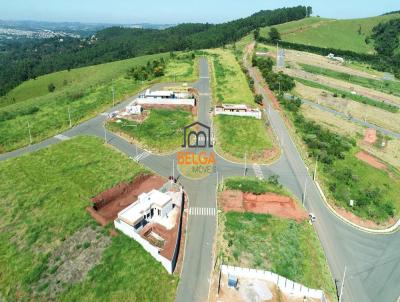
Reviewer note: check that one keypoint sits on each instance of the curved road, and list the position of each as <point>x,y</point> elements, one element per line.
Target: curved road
<point>373,261</point>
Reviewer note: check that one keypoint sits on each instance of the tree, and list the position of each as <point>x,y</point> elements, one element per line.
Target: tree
<point>258,99</point>
<point>256,34</point>
<point>309,11</point>
<point>51,87</point>
<point>274,35</point>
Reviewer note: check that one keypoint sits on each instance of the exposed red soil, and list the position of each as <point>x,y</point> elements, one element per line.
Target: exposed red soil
<point>268,203</point>
<point>107,204</point>
<point>370,136</point>
<point>371,160</point>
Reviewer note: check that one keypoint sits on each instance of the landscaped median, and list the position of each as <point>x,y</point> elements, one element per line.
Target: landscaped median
<point>50,247</point>
<point>262,226</point>
<point>237,137</point>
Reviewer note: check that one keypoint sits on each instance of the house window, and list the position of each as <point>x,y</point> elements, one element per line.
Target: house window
<point>159,212</point>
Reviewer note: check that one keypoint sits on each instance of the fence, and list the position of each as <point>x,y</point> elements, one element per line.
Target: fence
<point>129,231</point>
<point>285,285</point>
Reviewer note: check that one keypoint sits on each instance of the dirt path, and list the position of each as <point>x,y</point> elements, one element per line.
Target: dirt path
<point>371,160</point>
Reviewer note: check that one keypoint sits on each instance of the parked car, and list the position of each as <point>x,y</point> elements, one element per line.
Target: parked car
<point>313,218</point>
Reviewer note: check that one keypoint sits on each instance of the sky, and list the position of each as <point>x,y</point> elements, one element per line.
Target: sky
<point>178,11</point>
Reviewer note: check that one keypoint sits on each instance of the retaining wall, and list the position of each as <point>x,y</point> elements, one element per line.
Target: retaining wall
<point>287,286</point>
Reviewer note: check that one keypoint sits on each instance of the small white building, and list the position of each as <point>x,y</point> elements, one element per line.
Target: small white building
<point>237,110</point>
<point>333,57</point>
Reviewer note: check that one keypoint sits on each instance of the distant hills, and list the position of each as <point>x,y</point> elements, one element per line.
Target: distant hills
<point>23,60</point>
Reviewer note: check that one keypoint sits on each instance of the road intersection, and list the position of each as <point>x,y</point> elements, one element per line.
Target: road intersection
<point>373,261</point>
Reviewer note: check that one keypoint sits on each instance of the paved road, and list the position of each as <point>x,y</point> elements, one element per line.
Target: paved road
<point>373,261</point>
<point>350,118</point>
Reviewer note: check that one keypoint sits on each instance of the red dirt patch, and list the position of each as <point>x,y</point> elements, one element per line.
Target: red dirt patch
<point>370,136</point>
<point>268,203</point>
<point>371,160</point>
<point>106,205</point>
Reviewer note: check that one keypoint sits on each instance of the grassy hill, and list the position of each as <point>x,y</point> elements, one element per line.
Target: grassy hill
<point>84,92</point>
<point>340,34</point>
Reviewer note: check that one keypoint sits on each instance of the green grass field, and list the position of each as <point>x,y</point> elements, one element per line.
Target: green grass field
<point>279,245</point>
<point>340,34</point>
<point>376,192</point>
<point>391,87</point>
<point>239,135</point>
<point>160,132</point>
<point>43,197</point>
<point>229,83</point>
<point>88,93</point>
<point>355,97</point>
<point>255,185</point>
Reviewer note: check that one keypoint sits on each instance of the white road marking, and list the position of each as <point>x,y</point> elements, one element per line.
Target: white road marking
<point>257,171</point>
<point>201,211</point>
<point>62,137</point>
<point>141,156</point>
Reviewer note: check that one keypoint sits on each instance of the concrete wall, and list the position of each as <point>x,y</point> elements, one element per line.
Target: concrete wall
<point>160,101</point>
<point>255,114</point>
<point>130,232</point>
<point>285,285</point>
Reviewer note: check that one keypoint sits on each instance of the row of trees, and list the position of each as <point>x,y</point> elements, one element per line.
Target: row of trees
<point>20,61</point>
<point>278,82</point>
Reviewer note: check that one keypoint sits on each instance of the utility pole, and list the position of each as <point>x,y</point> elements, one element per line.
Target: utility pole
<point>245,163</point>
<point>113,95</point>
<point>105,134</point>
<point>69,117</point>
<point>342,286</point>
<point>305,191</point>
<point>173,169</point>
<point>315,169</point>
<point>30,135</point>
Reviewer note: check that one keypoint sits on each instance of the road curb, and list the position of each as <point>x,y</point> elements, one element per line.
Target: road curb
<point>393,229</point>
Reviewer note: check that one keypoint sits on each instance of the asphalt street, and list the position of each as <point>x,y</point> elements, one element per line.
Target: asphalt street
<point>373,261</point>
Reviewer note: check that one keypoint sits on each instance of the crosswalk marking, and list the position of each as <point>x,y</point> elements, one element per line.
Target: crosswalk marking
<point>257,171</point>
<point>201,211</point>
<point>62,137</point>
<point>141,156</point>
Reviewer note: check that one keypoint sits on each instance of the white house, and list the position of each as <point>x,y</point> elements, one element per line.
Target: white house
<point>154,208</point>
<point>238,110</point>
<point>151,206</point>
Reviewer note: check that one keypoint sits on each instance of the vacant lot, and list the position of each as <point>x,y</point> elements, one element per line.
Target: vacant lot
<point>87,92</point>
<point>390,87</point>
<point>162,131</point>
<point>230,85</point>
<point>340,34</point>
<point>344,86</point>
<point>280,245</point>
<point>376,192</point>
<point>374,115</point>
<point>237,136</point>
<point>42,204</point>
